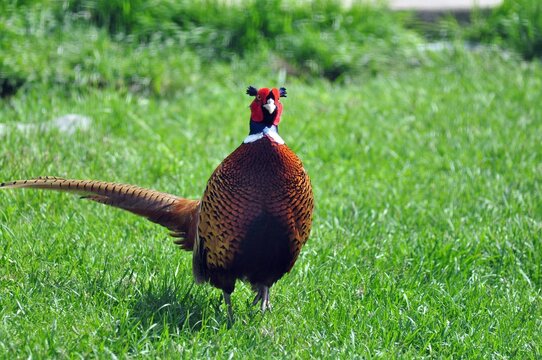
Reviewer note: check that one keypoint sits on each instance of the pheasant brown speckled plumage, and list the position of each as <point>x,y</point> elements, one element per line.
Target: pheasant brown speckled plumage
<point>255,216</point>
<point>253,219</point>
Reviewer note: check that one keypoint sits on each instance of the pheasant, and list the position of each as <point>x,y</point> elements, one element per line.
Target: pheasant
<point>252,220</point>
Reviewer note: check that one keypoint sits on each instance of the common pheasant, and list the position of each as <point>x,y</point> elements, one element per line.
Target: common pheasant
<point>253,218</point>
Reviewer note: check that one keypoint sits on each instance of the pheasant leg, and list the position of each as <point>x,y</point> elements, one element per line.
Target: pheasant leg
<point>227,300</point>
<point>263,296</point>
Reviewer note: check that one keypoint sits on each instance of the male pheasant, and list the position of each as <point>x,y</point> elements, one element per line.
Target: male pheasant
<point>253,218</point>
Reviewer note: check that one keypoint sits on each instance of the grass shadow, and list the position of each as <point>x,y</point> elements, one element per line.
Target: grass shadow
<point>178,310</point>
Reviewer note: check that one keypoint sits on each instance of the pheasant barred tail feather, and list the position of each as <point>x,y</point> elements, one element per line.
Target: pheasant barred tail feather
<point>175,213</point>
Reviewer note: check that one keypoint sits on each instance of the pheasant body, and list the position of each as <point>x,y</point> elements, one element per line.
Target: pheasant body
<point>253,218</point>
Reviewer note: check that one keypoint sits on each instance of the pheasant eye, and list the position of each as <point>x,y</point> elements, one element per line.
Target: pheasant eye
<point>258,97</point>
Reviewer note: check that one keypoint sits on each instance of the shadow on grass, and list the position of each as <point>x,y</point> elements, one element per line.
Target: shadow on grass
<point>178,310</point>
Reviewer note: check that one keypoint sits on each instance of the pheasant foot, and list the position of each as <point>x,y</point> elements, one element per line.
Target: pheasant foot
<point>263,297</point>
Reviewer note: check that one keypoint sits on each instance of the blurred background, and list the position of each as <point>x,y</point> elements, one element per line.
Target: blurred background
<point>160,47</point>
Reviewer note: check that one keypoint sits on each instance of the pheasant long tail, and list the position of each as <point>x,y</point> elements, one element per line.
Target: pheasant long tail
<point>177,214</point>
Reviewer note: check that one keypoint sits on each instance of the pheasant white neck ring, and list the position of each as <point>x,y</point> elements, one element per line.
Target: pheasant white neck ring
<point>269,132</point>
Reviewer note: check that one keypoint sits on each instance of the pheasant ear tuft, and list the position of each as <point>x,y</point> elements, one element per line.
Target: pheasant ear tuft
<point>252,91</point>
<point>282,91</point>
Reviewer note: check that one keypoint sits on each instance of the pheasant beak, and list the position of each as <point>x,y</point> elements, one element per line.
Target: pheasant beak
<point>270,106</point>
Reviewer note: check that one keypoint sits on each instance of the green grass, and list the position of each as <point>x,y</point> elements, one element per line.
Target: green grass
<point>427,237</point>
<point>426,241</point>
<point>318,38</point>
<point>515,24</point>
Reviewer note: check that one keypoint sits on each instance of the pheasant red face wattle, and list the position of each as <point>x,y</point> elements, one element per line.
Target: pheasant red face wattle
<point>266,106</point>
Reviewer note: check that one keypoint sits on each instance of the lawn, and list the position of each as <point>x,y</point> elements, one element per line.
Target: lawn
<point>427,237</point>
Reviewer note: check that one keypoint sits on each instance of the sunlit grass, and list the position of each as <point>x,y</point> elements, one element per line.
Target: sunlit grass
<point>426,241</point>
<point>427,236</point>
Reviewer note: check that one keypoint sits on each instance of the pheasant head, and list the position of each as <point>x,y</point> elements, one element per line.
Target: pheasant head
<point>265,110</point>
<point>266,107</point>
